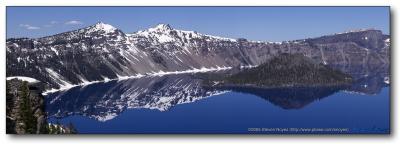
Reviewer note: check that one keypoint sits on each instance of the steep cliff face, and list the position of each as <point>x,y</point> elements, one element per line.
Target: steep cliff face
<point>102,52</point>
<point>25,108</point>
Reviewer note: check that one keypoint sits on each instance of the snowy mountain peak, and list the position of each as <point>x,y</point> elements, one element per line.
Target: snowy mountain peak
<point>161,33</point>
<point>163,27</point>
<point>165,33</point>
<point>100,26</point>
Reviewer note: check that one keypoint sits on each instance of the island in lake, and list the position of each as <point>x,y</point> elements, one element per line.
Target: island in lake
<point>287,70</point>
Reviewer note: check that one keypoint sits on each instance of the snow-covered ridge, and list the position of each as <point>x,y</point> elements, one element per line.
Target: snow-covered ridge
<point>161,32</point>
<point>356,30</point>
<point>23,78</point>
<point>339,33</point>
<point>161,27</point>
<point>165,33</point>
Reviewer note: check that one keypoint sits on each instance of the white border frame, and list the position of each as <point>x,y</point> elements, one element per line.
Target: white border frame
<point>299,139</point>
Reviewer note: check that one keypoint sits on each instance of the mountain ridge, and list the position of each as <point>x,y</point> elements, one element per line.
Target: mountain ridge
<point>170,27</point>
<point>85,55</point>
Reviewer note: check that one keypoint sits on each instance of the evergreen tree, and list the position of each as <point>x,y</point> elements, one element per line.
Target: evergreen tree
<point>72,129</point>
<point>26,112</point>
<point>58,128</point>
<point>10,124</point>
<point>52,129</point>
<point>45,129</point>
<point>9,99</point>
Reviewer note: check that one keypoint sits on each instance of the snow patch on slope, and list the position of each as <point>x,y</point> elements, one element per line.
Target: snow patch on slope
<point>64,85</point>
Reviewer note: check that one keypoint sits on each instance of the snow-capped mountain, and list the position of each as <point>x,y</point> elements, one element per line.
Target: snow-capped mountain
<point>101,52</point>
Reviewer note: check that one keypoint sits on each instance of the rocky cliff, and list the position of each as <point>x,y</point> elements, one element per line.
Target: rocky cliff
<point>25,108</point>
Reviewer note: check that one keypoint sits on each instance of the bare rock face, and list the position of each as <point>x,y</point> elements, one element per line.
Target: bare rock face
<point>102,51</point>
<point>25,108</point>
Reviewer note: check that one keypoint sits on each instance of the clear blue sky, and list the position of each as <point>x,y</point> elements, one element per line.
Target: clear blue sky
<point>253,23</point>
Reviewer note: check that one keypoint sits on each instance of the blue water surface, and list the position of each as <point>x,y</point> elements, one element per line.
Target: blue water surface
<point>240,112</point>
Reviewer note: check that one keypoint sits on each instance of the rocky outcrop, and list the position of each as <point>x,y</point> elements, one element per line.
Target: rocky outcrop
<point>25,108</point>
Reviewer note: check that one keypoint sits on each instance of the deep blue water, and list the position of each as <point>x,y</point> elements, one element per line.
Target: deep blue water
<point>308,110</point>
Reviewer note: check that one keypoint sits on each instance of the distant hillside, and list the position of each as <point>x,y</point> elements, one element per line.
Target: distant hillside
<point>289,70</point>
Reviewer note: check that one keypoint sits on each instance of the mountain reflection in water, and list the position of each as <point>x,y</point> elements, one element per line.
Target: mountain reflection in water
<point>105,101</point>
